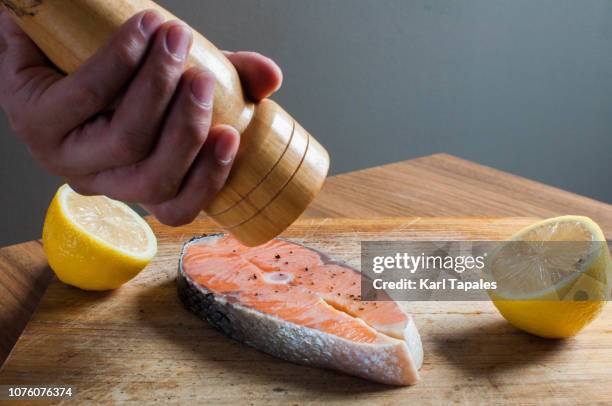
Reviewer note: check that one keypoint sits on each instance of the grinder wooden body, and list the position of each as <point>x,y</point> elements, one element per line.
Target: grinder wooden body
<point>279,167</point>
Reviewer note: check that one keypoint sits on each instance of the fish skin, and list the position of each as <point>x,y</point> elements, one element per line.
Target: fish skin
<point>389,360</point>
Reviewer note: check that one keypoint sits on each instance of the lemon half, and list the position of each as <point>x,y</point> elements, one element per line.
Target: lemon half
<point>553,277</point>
<point>95,243</point>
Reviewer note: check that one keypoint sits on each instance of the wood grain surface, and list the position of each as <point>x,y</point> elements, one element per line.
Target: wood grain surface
<point>24,276</point>
<point>139,344</point>
<point>435,185</point>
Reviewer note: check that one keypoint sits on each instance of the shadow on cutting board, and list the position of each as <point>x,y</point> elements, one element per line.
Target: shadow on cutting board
<point>218,357</point>
<point>494,347</point>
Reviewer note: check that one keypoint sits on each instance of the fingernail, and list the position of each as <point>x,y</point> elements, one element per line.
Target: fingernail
<point>203,89</point>
<point>149,22</point>
<point>226,148</point>
<point>178,40</point>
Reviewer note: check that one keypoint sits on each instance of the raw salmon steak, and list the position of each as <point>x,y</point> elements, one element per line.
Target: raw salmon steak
<point>297,304</point>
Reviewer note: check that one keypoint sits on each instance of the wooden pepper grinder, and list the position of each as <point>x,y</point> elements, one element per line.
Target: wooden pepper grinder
<point>279,167</point>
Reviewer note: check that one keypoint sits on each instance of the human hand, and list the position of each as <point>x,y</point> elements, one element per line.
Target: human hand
<point>156,147</point>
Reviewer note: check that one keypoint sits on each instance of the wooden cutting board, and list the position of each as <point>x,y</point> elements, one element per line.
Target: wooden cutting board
<point>139,344</point>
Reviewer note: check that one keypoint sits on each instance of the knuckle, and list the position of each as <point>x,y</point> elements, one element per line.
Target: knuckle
<point>199,116</point>
<point>14,117</point>
<point>51,165</point>
<point>174,217</point>
<point>47,158</point>
<point>127,51</point>
<point>153,186</point>
<point>154,191</point>
<point>129,147</point>
<point>89,98</point>
<point>196,129</point>
<point>195,123</point>
<point>163,81</point>
<point>35,136</point>
<point>24,128</point>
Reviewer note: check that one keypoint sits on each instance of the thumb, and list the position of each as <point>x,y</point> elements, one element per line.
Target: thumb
<point>22,63</point>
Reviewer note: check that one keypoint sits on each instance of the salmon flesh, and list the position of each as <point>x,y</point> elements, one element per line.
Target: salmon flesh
<point>296,303</point>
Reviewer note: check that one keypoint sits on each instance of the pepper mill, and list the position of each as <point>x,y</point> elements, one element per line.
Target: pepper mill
<point>279,167</point>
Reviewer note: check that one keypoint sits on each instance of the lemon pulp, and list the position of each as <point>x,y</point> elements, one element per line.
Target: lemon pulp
<point>110,221</point>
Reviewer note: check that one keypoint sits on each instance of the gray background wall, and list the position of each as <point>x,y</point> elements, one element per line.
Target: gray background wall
<point>524,86</point>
